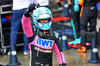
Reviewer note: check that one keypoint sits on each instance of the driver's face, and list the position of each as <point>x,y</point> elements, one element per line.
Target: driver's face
<point>44,20</point>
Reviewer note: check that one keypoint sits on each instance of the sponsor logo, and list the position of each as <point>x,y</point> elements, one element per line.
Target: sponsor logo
<point>46,51</point>
<point>44,42</point>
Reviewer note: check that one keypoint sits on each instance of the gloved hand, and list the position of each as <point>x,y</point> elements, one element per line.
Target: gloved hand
<point>62,64</point>
<point>30,9</point>
<point>76,6</point>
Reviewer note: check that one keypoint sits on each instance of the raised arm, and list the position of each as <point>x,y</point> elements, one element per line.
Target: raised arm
<point>26,21</point>
<point>26,24</point>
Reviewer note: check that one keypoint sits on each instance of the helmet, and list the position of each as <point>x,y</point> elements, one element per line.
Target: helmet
<point>42,13</point>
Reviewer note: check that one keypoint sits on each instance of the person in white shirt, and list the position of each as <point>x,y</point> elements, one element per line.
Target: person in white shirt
<point>19,7</point>
<point>42,3</point>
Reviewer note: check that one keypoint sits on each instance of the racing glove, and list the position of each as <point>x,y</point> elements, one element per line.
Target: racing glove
<point>62,64</point>
<point>30,9</point>
<point>76,6</point>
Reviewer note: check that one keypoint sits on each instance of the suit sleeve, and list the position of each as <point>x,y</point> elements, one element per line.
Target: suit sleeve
<point>27,28</point>
<point>59,53</point>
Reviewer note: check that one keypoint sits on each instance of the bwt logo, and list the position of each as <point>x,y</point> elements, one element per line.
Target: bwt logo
<point>44,43</point>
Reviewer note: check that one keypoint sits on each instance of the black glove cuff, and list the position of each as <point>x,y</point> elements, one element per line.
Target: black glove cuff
<point>62,64</point>
<point>27,13</point>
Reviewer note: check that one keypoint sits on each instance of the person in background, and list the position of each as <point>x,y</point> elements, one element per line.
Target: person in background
<point>42,3</point>
<point>75,21</point>
<point>42,40</point>
<point>88,14</point>
<point>69,3</point>
<point>59,6</point>
<point>19,7</point>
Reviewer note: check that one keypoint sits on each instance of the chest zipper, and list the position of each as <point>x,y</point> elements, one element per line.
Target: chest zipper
<point>38,45</point>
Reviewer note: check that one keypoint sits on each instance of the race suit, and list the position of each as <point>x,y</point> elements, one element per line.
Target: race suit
<point>41,45</point>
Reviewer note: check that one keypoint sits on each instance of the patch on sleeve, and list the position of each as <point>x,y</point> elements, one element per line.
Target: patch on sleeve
<point>56,34</point>
<point>34,28</point>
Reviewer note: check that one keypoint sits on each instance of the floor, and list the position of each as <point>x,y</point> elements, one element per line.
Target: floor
<point>71,56</point>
